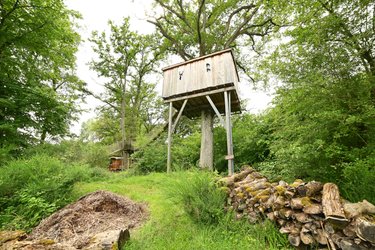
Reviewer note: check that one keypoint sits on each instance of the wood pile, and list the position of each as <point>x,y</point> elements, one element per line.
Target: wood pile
<point>311,213</point>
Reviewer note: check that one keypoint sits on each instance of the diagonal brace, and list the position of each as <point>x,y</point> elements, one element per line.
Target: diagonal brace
<point>216,111</point>
<point>179,116</point>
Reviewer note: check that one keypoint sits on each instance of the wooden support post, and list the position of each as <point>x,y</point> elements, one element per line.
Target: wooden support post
<point>229,157</point>
<point>169,157</point>
<point>206,159</point>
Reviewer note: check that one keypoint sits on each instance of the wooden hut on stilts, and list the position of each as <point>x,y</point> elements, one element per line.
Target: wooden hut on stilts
<point>207,83</point>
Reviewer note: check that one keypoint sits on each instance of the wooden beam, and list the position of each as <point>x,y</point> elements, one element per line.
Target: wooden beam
<point>216,110</point>
<point>230,156</point>
<point>210,92</point>
<point>169,156</point>
<point>179,116</point>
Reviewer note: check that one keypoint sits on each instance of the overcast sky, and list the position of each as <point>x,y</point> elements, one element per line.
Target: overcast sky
<point>95,16</point>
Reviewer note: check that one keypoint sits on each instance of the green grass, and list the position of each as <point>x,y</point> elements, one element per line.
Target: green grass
<point>170,227</point>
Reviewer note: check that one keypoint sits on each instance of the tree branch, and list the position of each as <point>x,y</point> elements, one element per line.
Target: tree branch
<point>246,7</point>
<point>202,50</point>
<point>179,50</point>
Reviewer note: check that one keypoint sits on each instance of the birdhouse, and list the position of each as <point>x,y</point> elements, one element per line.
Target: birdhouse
<point>209,75</point>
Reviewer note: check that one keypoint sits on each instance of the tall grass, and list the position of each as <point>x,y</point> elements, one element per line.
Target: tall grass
<point>175,223</point>
<point>31,189</point>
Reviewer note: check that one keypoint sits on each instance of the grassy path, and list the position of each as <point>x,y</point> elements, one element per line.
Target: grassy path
<point>169,227</point>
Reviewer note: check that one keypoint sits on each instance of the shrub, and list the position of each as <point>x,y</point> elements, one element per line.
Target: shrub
<point>73,152</point>
<point>359,177</point>
<point>200,197</point>
<point>152,158</point>
<point>34,188</point>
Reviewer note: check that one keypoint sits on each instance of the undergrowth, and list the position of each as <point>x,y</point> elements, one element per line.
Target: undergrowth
<point>186,212</point>
<point>31,189</point>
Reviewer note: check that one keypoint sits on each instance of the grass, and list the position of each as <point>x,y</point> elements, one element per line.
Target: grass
<point>170,227</point>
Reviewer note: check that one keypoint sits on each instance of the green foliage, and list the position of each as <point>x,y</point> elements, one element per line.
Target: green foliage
<point>125,59</point>
<point>201,198</point>
<point>185,151</point>
<point>170,227</point>
<point>74,152</point>
<point>32,189</point>
<point>251,139</point>
<point>38,85</point>
<point>152,158</point>
<point>359,177</point>
<point>322,123</point>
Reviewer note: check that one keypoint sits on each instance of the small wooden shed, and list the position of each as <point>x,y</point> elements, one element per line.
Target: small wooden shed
<point>204,83</point>
<point>195,79</point>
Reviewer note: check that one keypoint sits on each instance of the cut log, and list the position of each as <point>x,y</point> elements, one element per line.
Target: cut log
<point>302,217</point>
<point>349,230</point>
<point>306,238</point>
<point>320,237</point>
<point>301,190</point>
<point>347,244</point>
<point>228,181</point>
<point>332,207</point>
<point>366,230</point>
<point>313,209</point>
<point>271,216</point>
<point>289,194</point>
<point>279,203</point>
<point>357,209</point>
<point>294,240</point>
<point>285,213</point>
<point>313,187</point>
<point>299,203</point>
<point>310,213</point>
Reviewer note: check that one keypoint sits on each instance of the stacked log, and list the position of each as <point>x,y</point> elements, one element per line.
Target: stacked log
<point>311,213</point>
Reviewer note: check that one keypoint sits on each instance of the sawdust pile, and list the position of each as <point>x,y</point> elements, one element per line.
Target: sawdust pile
<point>98,212</point>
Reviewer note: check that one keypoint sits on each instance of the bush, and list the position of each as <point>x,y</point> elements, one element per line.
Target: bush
<point>74,152</point>
<point>200,196</point>
<point>32,189</point>
<point>152,158</point>
<point>358,179</point>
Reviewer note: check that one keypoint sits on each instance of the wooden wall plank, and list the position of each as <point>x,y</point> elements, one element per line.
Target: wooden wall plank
<point>195,77</point>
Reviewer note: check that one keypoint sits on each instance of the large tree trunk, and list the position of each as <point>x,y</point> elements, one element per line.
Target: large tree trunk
<point>207,140</point>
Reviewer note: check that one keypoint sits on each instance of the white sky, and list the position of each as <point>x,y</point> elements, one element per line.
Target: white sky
<point>95,16</point>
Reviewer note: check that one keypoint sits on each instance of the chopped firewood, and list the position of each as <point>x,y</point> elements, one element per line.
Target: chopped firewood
<point>356,209</point>
<point>301,190</point>
<point>299,203</point>
<point>285,213</point>
<point>313,208</point>
<point>228,181</point>
<point>313,187</point>
<point>288,194</point>
<point>307,238</point>
<point>302,217</point>
<point>349,230</point>
<point>366,229</point>
<point>294,240</point>
<point>310,213</point>
<point>332,207</point>
<point>271,216</point>
<point>320,237</point>
<point>279,203</point>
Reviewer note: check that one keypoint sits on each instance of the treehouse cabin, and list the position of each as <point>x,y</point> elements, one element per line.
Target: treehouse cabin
<point>200,87</point>
<point>195,79</point>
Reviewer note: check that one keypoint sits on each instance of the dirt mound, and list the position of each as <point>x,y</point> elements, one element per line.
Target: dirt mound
<point>80,223</point>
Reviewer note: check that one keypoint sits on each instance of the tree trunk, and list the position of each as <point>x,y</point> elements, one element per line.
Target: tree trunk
<point>207,141</point>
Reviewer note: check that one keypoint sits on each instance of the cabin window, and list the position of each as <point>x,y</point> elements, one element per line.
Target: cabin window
<point>208,67</point>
